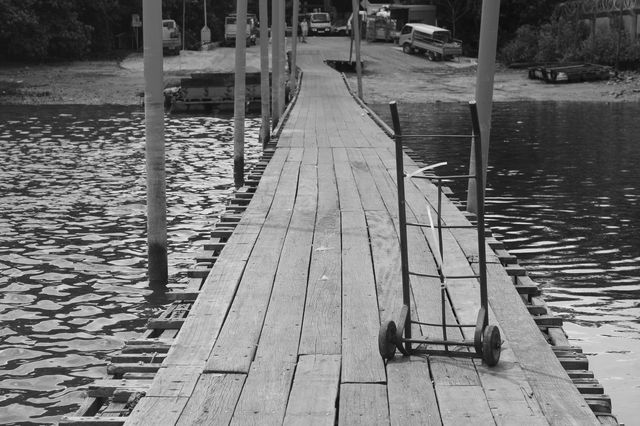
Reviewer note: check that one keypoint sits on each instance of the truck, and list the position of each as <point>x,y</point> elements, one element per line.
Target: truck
<point>230,30</point>
<point>432,41</point>
<point>319,23</point>
<point>171,39</point>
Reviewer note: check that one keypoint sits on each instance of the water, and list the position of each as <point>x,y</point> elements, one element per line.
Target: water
<point>73,239</point>
<point>564,196</point>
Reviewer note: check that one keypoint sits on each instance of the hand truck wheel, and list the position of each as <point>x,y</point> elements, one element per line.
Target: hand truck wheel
<point>387,339</point>
<point>491,345</point>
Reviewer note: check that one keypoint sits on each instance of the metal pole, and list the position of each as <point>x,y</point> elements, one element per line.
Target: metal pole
<point>205,12</point>
<point>239,94</point>
<point>154,144</point>
<point>484,89</point>
<point>402,219</point>
<point>275,62</point>
<point>355,29</point>
<point>265,87</point>
<point>479,170</point>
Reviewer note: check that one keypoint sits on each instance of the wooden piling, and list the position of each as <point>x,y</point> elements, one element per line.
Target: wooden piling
<point>275,61</point>
<point>265,88</point>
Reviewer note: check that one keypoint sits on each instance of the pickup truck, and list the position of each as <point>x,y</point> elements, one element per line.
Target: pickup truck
<point>171,40</point>
<point>435,42</point>
<point>230,30</point>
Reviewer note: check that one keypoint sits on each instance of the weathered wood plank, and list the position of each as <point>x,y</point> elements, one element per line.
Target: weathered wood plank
<point>315,391</point>
<point>361,361</point>
<point>463,405</point>
<point>412,399</point>
<point>363,404</point>
<point>213,401</point>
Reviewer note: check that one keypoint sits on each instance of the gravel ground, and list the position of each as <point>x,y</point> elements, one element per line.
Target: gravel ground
<point>389,74</point>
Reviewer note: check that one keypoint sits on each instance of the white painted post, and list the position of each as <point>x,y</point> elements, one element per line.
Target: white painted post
<point>282,54</point>
<point>275,61</point>
<point>265,88</point>
<point>355,28</point>
<point>484,91</point>
<point>293,72</point>
<point>239,94</point>
<point>154,144</point>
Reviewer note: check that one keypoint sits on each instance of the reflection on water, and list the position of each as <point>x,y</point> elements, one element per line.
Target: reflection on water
<point>73,239</point>
<point>564,196</point>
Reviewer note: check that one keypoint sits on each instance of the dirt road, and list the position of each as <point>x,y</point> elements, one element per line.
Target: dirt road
<point>389,73</point>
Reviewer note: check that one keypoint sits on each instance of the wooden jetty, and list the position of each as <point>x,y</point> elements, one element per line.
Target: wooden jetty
<point>279,322</point>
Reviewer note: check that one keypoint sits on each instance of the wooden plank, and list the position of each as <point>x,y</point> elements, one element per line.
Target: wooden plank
<point>412,398</point>
<point>462,405</point>
<point>361,361</point>
<point>347,189</point>
<point>315,391</point>
<point>369,195</point>
<point>91,421</point>
<point>236,344</point>
<point>363,404</point>
<point>321,330</point>
<point>213,400</point>
<point>557,396</point>
<point>153,411</point>
<point>173,382</point>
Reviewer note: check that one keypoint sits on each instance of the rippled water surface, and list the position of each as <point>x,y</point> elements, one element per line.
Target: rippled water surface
<point>564,196</point>
<point>73,242</point>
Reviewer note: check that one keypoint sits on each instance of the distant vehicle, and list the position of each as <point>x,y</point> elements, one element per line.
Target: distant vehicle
<point>230,30</point>
<point>435,42</point>
<point>319,23</point>
<point>171,40</point>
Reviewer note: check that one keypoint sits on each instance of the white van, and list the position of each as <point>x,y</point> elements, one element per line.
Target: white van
<point>435,42</point>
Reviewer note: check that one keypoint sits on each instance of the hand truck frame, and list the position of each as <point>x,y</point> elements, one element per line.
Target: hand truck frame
<point>487,342</point>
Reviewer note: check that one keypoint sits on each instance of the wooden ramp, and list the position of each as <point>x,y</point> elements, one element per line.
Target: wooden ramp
<point>284,328</point>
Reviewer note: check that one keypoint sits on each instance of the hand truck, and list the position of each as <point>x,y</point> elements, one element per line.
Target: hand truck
<point>487,341</point>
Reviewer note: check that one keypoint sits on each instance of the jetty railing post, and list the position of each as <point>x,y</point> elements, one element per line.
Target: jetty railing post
<point>402,223</point>
<point>294,46</point>
<point>265,85</point>
<point>484,90</point>
<point>355,29</point>
<point>154,144</point>
<point>239,94</point>
<point>275,61</point>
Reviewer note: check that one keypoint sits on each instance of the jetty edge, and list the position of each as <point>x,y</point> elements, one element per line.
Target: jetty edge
<point>283,327</point>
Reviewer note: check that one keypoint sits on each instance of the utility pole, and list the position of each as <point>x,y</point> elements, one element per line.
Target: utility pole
<point>239,94</point>
<point>484,91</point>
<point>355,29</point>
<point>154,144</point>
<point>293,72</point>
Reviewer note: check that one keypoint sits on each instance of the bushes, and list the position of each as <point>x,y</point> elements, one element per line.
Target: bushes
<point>571,41</point>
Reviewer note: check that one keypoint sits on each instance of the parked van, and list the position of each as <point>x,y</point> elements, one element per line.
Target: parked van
<point>435,42</point>
<point>171,41</point>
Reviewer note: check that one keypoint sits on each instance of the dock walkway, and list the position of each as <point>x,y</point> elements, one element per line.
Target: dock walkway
<point>284,329</point>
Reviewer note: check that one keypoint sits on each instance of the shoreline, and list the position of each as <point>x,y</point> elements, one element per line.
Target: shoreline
<point>387,71</point>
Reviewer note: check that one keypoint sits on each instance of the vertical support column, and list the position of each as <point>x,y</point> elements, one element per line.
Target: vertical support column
<point>239,94</point>
<point>275,61</point>
<point>154,144</point>
<point>293,72</point>
<point>282,56</point>
<point>634,24</point>
<point>265,86</point>
<point>484,91</point>
<point>355,29</point>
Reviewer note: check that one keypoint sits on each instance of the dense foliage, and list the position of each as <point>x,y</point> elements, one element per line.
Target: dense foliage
<point>562,40</point>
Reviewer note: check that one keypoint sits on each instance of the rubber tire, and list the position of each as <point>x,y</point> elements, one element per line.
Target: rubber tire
<point>406,48</point>
<point>491,345</point>
<point>387,340</point>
